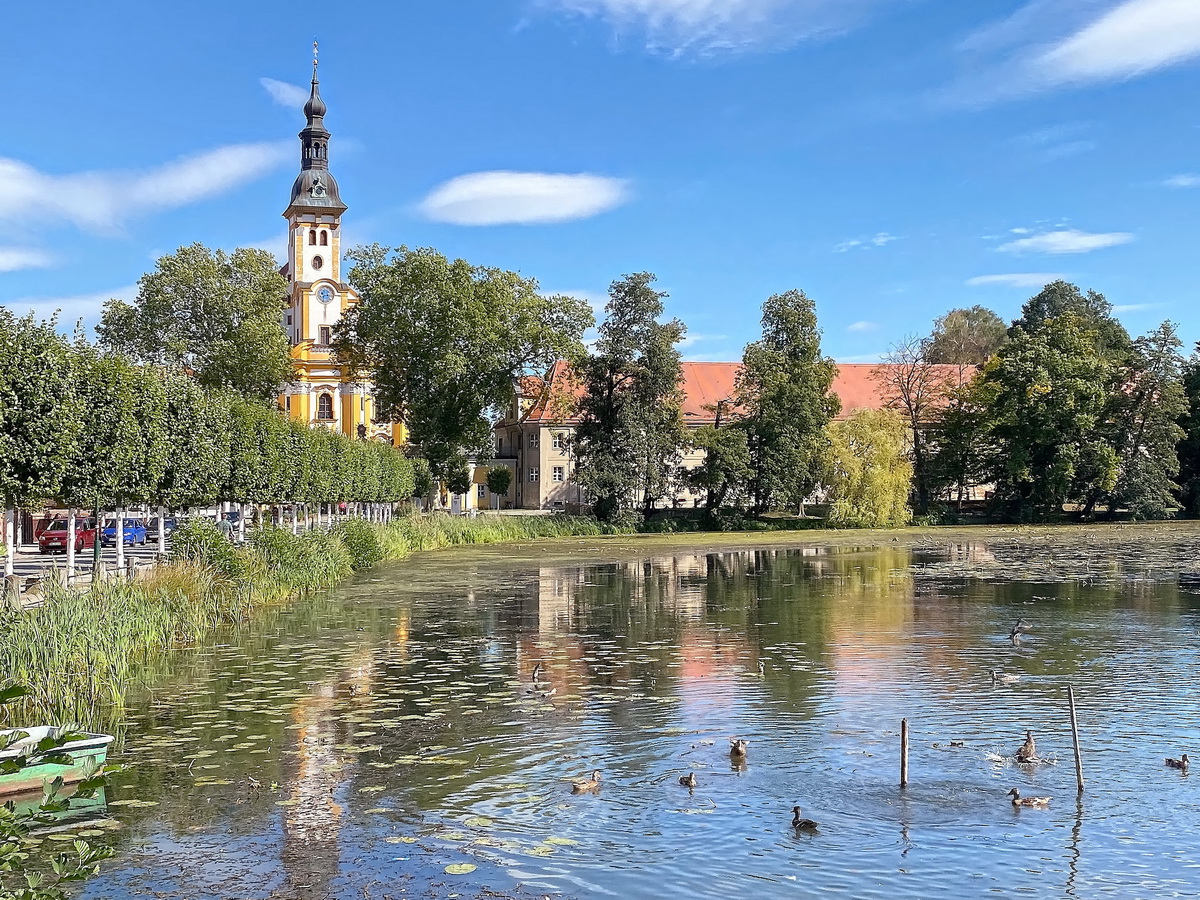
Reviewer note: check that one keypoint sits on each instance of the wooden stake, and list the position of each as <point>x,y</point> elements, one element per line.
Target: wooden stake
<point>1075,738</point>
<point>904,753</point>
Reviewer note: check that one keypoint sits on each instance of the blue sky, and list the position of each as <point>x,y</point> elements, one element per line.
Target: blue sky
<point>893,158</point>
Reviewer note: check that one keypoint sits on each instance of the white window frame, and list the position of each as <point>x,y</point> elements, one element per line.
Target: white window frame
<point>557,474</point>
<point>481,493</point>
<point>559,441</point>
<point>533,441</point>
<point>533,474</point>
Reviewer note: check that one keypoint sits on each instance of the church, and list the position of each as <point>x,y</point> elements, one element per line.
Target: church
<point>322,393</point>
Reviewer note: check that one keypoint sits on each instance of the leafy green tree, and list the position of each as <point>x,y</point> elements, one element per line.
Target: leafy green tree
<point>1045,398</point>
<point>499,480</point>
<point>213,315</point>
<point>784,401</point>
<point>444,341</point>
<point>1188,478</point>
<point>196,425</point>
<point>724,475</point>
<point>1148,403</point>
<point>1093,311</point>
<point>966,337</point>
<point>630,436</point>
<point>868,472</point>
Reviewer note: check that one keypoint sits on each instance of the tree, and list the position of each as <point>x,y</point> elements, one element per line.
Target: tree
<point>918,388</point>
<point>499,480</point>
<point>869,475</point>
<point>725,473</point>
<point>213,315</point>
<point>784,402</point>
<point>1149,402</point>
<point>444,341</point>
<point>966,337</point>
<point>1092,310</point>
<point>631,435</point>
<point>1188,478</point>
<point>1044,398</point>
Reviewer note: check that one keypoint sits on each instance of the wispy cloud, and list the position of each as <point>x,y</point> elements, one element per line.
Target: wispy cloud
<point>13,259</point>
<point>1015,279</point>
<point>73,307</point>
<point>859,327</point>
<point>716,26</point>
<point>882,239</point>
<point>1069,240</point>
<point>1134,307</point>
<point>1182,181</point>
<point>1049,44</point>
<point>523,198</point>
<point>293,96</point>
<point>103,201</point>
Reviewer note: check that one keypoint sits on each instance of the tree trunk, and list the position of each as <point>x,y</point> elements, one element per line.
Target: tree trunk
<point>10,542</point>
<point>119,535</point>
<point>72,531</point>
<point>162,531</point>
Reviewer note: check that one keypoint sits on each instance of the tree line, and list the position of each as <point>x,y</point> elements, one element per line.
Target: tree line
<point>90,428</point>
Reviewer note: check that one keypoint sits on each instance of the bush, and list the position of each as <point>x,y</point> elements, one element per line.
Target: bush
<point>199,541</point>
<point>301,562</point>
<point>363,542</point>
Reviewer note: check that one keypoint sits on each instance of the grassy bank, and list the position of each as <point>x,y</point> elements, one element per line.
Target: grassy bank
<point>79,654</point>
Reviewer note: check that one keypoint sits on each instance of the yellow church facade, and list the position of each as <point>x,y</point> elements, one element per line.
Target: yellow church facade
<point>323,393</point>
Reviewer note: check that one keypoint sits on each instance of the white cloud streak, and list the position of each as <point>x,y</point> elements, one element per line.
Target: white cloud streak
<point>103,201</point>
<point>291,96</point>
<point>13,259</point>
<point>1014,279</point>
<point>523,198</point>
<point>71,308</point>
<point>721,26</point>
<point>1069,240</point>
<point>859,327</point>
<point>1182,181</point>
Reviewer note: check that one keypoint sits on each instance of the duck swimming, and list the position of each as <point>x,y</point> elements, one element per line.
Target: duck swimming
<point>1018,629</point>
<point>587,786</point>
<point>1004,677</point>
<point>1018,800</point>
<point>689,780</point>
<point>1027,752</point>
<point>802,824</point>
<point>1181,763</point>
<point>737,748</point>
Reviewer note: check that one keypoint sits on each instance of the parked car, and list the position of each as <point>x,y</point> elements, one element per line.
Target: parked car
<point>170,524</point>
<point>55,536</point>
<point>40,525</point>
<point>134,533</point>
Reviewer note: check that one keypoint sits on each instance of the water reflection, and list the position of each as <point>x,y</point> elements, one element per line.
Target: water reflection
<point>406,709</point>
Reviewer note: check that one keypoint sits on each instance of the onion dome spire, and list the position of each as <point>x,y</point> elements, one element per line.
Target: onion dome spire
<point>315,189</point>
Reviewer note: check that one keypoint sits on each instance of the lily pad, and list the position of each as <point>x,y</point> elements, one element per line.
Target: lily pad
<point>460,869</point>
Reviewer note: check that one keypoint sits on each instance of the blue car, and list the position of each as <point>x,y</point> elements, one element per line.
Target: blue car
<point>135,533</point>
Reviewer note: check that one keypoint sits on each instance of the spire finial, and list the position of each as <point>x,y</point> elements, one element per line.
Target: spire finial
<point>315,51</point>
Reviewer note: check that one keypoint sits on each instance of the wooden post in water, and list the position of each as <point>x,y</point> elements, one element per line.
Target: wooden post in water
<point>904,753</point>
<point>1075,738</point>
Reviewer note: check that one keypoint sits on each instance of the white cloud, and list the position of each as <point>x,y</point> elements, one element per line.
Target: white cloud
<point>1014,279</point>
<point>847,245</point>
<point>71,308</point>
<point>293,96</point>
<point>102,201</point>
<point>882,239</point>
<point>1134,307</point>
<point>1136,37</point>
<point>858,327</point>
<point>523,198</point>
<point>1070,240</point>
<point>710,26</point>
<point>13,259</point>
<point>1182,181</point>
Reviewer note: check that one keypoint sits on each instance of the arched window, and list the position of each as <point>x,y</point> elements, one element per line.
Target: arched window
<point>312,236</point>
<point>324,407</point>
<point>324,238</point>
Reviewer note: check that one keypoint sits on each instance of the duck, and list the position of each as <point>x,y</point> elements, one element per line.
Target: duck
<point>737,748</point>
<point>1181,763</point>
<point>762,669</point>
<point>1019,801</point>
<point>1018,629</point>
<point>800,823</point>
<point>689,780</point>
<point>999,677</point>
<point>537,673</point>
<point>1027,752</point>
<point>588,785</point>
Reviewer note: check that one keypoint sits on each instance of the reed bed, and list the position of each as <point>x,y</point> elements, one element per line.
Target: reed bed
<point>80,654</point>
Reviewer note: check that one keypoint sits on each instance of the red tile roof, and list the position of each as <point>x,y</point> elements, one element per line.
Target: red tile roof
<point>704,384</point>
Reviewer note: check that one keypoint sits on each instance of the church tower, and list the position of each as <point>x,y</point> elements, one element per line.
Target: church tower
<point>322,394</point>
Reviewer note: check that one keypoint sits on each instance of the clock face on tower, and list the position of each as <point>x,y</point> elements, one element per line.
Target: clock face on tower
<point>325,295</point>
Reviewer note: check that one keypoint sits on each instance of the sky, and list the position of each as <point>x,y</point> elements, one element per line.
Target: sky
<point>894,159</point>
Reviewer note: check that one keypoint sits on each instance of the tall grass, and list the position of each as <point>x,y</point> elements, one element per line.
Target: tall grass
<point>81,653</point>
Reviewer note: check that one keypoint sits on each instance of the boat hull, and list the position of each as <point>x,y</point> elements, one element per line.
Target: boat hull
<point>87,758</point>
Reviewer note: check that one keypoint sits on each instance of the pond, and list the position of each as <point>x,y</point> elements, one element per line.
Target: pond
<point>363,742</point>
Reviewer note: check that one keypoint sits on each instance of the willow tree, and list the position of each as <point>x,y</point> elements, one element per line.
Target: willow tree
<point>869,475</point>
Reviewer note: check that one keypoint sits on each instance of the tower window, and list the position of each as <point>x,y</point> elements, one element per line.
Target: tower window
<point>312,236</point>
<point>325,407</point>
<point>317,262</point>
<point>324,238</point>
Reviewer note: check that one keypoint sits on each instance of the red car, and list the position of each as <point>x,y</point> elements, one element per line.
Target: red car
<point>55,536</point>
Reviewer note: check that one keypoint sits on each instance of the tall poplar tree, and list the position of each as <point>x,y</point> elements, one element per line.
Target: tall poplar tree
<point>784,401</point>
<point>630,438</point>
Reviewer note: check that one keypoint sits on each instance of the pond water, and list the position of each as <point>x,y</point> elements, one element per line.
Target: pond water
<point>360,743</point>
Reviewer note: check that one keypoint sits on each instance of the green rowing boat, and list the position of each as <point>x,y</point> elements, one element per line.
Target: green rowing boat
<point>73,761</point>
